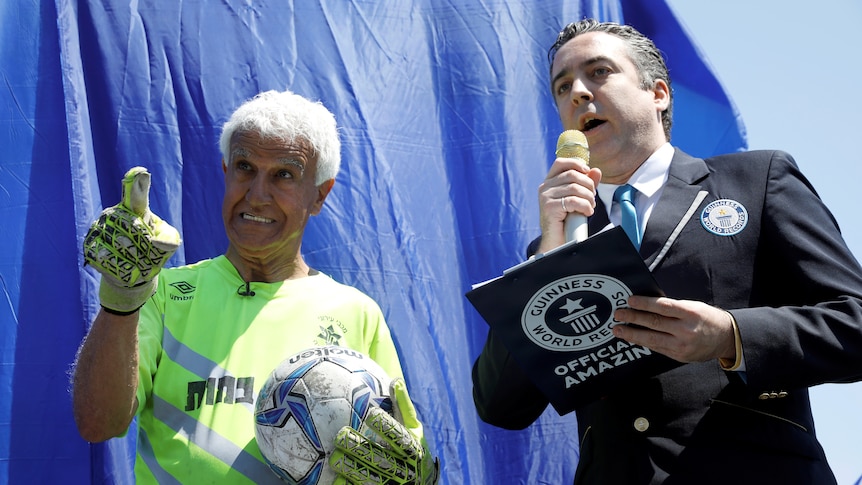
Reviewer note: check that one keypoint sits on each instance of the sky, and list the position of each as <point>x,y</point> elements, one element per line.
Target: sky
<point>793,70</point>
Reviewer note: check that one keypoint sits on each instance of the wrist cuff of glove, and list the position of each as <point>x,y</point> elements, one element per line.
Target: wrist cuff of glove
<point>120,300</point>
<point>117,312</point>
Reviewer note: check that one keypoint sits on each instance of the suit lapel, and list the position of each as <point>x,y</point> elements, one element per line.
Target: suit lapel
<point>678,195</point>
<point>599,220</point>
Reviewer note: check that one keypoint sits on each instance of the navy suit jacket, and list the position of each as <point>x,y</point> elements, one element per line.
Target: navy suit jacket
<point>795,290</point>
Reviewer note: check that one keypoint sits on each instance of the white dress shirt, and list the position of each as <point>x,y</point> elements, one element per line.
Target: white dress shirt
<point>648,180</point>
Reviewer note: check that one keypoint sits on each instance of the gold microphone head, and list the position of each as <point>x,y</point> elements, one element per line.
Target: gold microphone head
<point>573,144</point>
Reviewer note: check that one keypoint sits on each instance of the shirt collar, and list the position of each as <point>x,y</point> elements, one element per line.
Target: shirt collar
<point>648,179</point>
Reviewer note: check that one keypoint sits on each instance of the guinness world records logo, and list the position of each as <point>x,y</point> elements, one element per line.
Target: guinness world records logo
<point>724,217</point>
<point>574,313</point>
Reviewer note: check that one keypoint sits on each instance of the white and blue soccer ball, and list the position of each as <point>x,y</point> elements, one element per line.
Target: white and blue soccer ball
<point>306,400</point>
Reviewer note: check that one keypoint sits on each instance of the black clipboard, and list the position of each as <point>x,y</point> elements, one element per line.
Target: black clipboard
<point>554,314</point>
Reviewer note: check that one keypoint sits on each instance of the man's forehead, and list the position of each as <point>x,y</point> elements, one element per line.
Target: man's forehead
<point>245,142</point>
<point>588,48</point>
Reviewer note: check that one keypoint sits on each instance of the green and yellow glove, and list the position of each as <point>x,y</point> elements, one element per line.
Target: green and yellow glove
<point>402,457</point>
<point>128,245</point>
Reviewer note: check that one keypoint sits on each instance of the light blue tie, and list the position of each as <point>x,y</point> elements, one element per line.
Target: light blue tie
<point>623,196</point>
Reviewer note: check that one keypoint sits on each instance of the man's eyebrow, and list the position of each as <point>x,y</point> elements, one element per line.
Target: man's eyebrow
<point>560,74</point>
<point>596,59</point>
<point>294,162</point>
<point>239,152</point>
<point>582,65</point>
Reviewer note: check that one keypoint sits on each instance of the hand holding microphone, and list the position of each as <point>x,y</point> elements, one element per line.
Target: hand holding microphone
<point>573,144</point>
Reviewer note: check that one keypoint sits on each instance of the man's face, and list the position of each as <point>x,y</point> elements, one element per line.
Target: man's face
<point>597,91</point>
<point>269,195</point>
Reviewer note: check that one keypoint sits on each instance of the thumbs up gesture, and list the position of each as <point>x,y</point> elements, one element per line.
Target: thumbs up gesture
<point>129,245</point>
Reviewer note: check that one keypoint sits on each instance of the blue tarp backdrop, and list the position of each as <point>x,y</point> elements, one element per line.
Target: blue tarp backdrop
<point>447,128</point>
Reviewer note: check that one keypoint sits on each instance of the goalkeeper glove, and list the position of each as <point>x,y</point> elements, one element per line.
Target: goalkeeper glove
<point>128,245</point>
<point>401,458</point>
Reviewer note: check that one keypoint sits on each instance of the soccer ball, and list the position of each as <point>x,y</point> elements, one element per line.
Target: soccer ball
<point>306,400</point>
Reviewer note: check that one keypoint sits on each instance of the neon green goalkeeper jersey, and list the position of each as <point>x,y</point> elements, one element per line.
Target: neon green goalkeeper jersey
<point>206,350</point>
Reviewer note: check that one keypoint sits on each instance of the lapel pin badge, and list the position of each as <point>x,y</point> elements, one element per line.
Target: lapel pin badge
<point>724,217</point>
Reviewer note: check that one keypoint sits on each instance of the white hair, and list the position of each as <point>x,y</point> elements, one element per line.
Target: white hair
<point>288,116</point>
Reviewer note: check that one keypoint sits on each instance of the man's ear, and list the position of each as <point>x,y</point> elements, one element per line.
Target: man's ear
<point>322,191</point>
<point>661,94</point>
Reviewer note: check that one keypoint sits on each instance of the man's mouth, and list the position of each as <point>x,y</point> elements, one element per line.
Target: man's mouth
<point>254,218</point>
<point>589,125</point>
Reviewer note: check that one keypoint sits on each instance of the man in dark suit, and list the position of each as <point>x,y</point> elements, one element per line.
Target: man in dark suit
<point>763,297</point>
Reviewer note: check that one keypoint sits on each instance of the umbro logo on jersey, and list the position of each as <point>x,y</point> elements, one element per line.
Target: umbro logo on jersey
<point>185,289</point>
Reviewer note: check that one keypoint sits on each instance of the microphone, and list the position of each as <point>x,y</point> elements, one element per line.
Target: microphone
<point>245,290</point>
<point>573,144</point>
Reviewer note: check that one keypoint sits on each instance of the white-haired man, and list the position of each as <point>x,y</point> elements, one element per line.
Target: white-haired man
<point>186,349</point>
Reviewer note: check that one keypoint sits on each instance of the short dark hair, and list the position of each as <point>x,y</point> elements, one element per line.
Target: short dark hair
<point>644,54</point>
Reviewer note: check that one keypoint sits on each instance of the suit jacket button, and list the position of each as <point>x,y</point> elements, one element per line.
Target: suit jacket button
<point>641,424</point>
<point>782,394</point>
<point>763,396</point>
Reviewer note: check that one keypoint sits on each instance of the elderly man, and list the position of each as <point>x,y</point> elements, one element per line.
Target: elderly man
<point>162,337</point>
